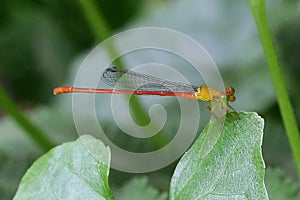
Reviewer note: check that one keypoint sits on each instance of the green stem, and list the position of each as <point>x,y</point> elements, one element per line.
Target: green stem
<point>101,32</point>
<point>98,25</point>
<point>12,109</point>
<point>286,110</point>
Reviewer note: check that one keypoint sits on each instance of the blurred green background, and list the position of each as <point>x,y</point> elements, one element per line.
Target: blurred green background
<point>43,42</point>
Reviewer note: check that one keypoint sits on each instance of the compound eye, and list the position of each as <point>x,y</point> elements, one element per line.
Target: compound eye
<point>229,91</point>
<point>232,98</point>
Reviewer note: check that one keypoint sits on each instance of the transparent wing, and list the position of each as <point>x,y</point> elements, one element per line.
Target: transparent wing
<point>130,80</point>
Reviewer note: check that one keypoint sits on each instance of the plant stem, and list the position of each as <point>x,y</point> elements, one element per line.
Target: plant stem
<point>34,132</point>
<point>98,25</point>
<point>101,32</point>
<point>286,110</point>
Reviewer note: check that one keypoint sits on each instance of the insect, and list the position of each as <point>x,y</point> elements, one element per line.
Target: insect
<point>130,82</point>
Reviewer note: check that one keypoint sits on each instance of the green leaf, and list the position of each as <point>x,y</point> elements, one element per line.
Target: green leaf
<point>224,163</point>
<point>139,188</point>
<point>74,170</point>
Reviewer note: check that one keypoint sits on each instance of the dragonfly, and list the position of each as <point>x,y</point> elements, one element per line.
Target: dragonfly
<point>134,83</point>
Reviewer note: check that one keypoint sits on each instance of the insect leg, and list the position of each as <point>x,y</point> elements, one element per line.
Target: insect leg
<point>231,108</point>
<point>212,109</point>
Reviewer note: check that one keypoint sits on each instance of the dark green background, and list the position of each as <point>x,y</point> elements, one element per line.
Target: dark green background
<point>41,40</point>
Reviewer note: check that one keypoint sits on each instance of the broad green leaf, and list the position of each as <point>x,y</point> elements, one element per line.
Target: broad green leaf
<point>224,163</point>
<point>74,170</point>
<point>139,188</point>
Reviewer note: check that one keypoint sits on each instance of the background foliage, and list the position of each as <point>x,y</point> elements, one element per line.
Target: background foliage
<point>43,42</point>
